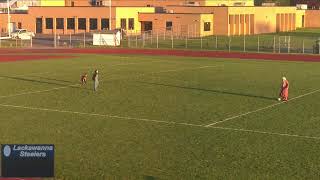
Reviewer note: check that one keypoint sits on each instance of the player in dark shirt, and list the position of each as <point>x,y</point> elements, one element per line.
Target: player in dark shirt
<point>84,79</point>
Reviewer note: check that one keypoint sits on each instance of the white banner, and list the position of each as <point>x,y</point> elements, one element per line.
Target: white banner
<point>107,39</point>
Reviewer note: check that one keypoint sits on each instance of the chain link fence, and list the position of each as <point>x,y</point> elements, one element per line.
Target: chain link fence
<point>253,43</point>
<point>265,43</point>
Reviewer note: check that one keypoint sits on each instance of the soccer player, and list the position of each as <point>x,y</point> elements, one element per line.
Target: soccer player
<point>95,79</point>
<point>84,79</point>
<point>284,92</point>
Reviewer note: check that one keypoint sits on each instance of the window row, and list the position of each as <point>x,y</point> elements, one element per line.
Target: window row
<point>206,26</point>
<point>82,23</point>
<point>123,23</point>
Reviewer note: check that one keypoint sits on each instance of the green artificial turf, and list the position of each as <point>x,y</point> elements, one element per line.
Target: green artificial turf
<point>148,119</point>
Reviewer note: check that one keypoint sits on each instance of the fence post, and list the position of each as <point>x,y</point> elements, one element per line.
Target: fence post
<point>303,46</point>
<point>244,43</point>
<point>128,37</point>
<point>216,42</point>
<point>258,43</point>
<point>31,41</point>
<point>171,40</point>
<point>186,42</point>
<point>16,42</point>
<point>201,41</point>
<point>274,44</point>
<point>279,44</point>
<point>187,37</point>
<point>143,36</point>
<point>84,39</point>
<point>289,39</point>
<point>229,44</point>
<point>318,47</point>
<point>70,40</point>
<point>55,39</point>
<point>136,39</point>
<point>58,40</point>
<point>157,40</point>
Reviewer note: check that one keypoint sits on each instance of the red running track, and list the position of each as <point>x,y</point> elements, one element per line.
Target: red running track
<point>187,53</point>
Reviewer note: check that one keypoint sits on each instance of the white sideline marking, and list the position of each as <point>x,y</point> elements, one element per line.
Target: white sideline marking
<point>160,121</point>
<point>265,132</point>
<point>29,74</point>
<point>35,92</point>
<point>121,64</point>
<point>260,109</point>
<point>95,114</point>
<point>120,78</point>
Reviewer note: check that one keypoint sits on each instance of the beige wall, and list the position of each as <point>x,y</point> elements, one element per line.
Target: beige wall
<point>265,18</point>
<point>77,2</point>
<point>246,20</point>
<point>312,18</point>
<point>182,24</point>
<point>131,12</point>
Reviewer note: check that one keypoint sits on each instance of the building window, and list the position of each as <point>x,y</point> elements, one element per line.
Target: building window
<point>60,23</point>
<point>49,23</point>
<point>169,25</point>
<point>70,23</point>
<point>230,18</point>
<point>72,3</point>
<point>93,24</point>
<point>104,23</point>
<point>207,26</point>
<point>19,25</point>
<point>131,23</point>
<point>123,23</point>
<point>82,24</point>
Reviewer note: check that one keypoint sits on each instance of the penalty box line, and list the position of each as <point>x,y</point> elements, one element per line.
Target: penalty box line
<point>161,121</point>
<point>120,78</point>
<point>260,109</point>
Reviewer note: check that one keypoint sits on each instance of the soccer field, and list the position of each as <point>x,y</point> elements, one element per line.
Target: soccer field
<point>162,117</point>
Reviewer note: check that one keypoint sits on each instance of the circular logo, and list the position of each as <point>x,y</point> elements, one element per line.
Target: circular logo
<point>6,151</point>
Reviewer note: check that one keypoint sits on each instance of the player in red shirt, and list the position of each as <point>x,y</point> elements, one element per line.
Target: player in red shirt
<point>284,92</point>
<point>84,79</point>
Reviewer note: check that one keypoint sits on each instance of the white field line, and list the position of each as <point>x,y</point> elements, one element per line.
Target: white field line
<point>95,114</point>
<point>29,74</point>
<point>160,121</point>
<point>121,64</point>
<point>260,109</point>
<point>35,92</point>
<point>265,132</point>
<point>67,86</point>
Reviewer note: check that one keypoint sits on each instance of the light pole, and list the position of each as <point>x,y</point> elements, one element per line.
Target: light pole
<point>110,15</point>
<point>9,28</point>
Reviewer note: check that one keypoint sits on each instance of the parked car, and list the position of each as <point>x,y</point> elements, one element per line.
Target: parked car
<point>22,34</point>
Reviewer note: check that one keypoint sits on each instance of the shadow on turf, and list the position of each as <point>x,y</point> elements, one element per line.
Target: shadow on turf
<point>208,90</point>
<point>42,82</point>
<point>52,79</point>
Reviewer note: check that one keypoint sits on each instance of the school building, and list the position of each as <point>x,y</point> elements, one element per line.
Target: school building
<point>181,17</point>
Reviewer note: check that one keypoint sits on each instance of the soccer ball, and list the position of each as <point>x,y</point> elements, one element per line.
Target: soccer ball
<point>279,99</point>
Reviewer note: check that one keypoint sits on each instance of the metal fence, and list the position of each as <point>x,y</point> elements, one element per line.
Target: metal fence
<point>268,43</point>
<point>253,43</point>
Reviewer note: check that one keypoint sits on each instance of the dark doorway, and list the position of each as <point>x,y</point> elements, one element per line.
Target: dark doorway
<point>146,26</point>
<point>39,25</point>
